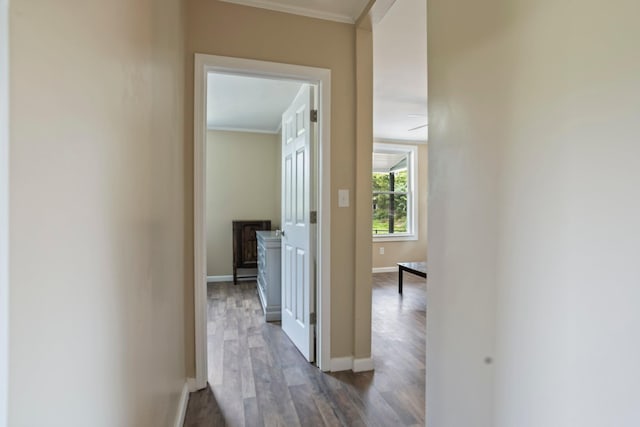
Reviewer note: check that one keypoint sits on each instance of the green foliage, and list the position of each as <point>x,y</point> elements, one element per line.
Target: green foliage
<point>382,205</point>
<point>382,226</point>
<point>380,181</point>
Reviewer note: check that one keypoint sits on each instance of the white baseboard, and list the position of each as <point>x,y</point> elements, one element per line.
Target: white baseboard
<point>341,364</point>
<point>212,279</point>
<point>363,365</point>
<point>350,364</point>
<point>229,278</point>
<point>182,405</point>
<point>384,269</point>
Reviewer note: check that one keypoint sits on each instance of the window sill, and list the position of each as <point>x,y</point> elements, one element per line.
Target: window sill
<point>392,238</point>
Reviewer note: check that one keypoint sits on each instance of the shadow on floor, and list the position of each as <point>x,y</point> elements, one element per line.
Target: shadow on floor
<point>203,410</point>
<point>361,381</point>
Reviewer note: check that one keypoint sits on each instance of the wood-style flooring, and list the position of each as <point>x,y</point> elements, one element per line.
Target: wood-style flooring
<point>258,378</point>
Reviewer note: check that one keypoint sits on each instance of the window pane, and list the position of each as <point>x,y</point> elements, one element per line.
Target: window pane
<point>390,214</point>
<point>400,181</point>
<point>380,181</point>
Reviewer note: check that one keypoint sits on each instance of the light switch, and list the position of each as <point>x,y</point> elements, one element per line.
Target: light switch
<point>343,198</point>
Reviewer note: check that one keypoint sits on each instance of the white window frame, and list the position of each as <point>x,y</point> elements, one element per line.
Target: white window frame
<point>412,190</point>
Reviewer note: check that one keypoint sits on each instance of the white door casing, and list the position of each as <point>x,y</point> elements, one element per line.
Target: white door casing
<point>321,78</point>
<point>298,290</point>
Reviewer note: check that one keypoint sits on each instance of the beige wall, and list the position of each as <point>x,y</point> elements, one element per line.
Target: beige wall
<point>4,211</point>
<point>97,222</point>
<point>242,178</point>
<point>230,30</point>
<point>413,250</point>
<point>534,214</point>
<point>362,197</point>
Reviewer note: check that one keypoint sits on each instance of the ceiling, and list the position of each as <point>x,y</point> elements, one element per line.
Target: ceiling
<point>247,104</point>
<point>384,162</point>
<point>334,10</point>
<point>400,72</point>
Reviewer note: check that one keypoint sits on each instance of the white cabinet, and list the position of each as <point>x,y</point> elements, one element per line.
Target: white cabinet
<point>269,274</point>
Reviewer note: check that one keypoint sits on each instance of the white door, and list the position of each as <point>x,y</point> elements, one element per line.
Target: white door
<point>298,290</point>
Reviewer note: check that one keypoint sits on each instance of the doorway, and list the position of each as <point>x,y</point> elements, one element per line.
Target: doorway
<point>320,78</point>
<point>399,175</point>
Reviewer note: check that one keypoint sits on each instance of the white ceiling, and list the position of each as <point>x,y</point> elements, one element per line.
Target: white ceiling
<point>247,104</point>
<point>400,72</point>
<point>334,10</point>
<point>383,162</point>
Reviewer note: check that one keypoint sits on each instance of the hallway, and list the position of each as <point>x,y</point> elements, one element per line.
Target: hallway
<point>257,377</point>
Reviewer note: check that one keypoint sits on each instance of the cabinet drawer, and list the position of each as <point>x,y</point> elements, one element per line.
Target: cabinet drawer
<point>268,257</point>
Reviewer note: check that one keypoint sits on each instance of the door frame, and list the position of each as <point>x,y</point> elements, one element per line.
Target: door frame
<point>4,212</point>
<point>249,67</point>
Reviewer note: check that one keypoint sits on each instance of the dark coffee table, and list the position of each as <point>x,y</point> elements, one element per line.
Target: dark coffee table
<point>417,268</point>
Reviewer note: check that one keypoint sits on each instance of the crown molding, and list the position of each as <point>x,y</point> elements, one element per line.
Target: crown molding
<point>400,141</point>
<point>296,10</point>
<point>240,129</point>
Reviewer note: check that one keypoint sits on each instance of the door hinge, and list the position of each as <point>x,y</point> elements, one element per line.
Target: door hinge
<point>314,116</point>
<point>312,319</point>
<point>313,217</point>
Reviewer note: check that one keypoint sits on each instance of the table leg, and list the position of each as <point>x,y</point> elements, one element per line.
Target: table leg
<point>400,280</point>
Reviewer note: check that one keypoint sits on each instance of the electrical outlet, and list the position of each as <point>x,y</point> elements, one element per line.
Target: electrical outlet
<point>381,250</point>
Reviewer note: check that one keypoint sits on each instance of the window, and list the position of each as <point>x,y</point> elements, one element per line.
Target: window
<point>393,185</point>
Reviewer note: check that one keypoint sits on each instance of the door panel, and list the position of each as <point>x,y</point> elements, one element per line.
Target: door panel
<point>300,188</point>
<point>298,288</point>
<point>286,197</point>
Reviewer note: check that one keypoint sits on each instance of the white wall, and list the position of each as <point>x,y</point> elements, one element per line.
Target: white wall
<point>97,213</point>
<point>534,214</point>
<point>4,210</point>
<point>242,184</point>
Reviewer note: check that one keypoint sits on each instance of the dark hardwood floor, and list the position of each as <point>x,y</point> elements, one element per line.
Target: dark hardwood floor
<point>258,378</point>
